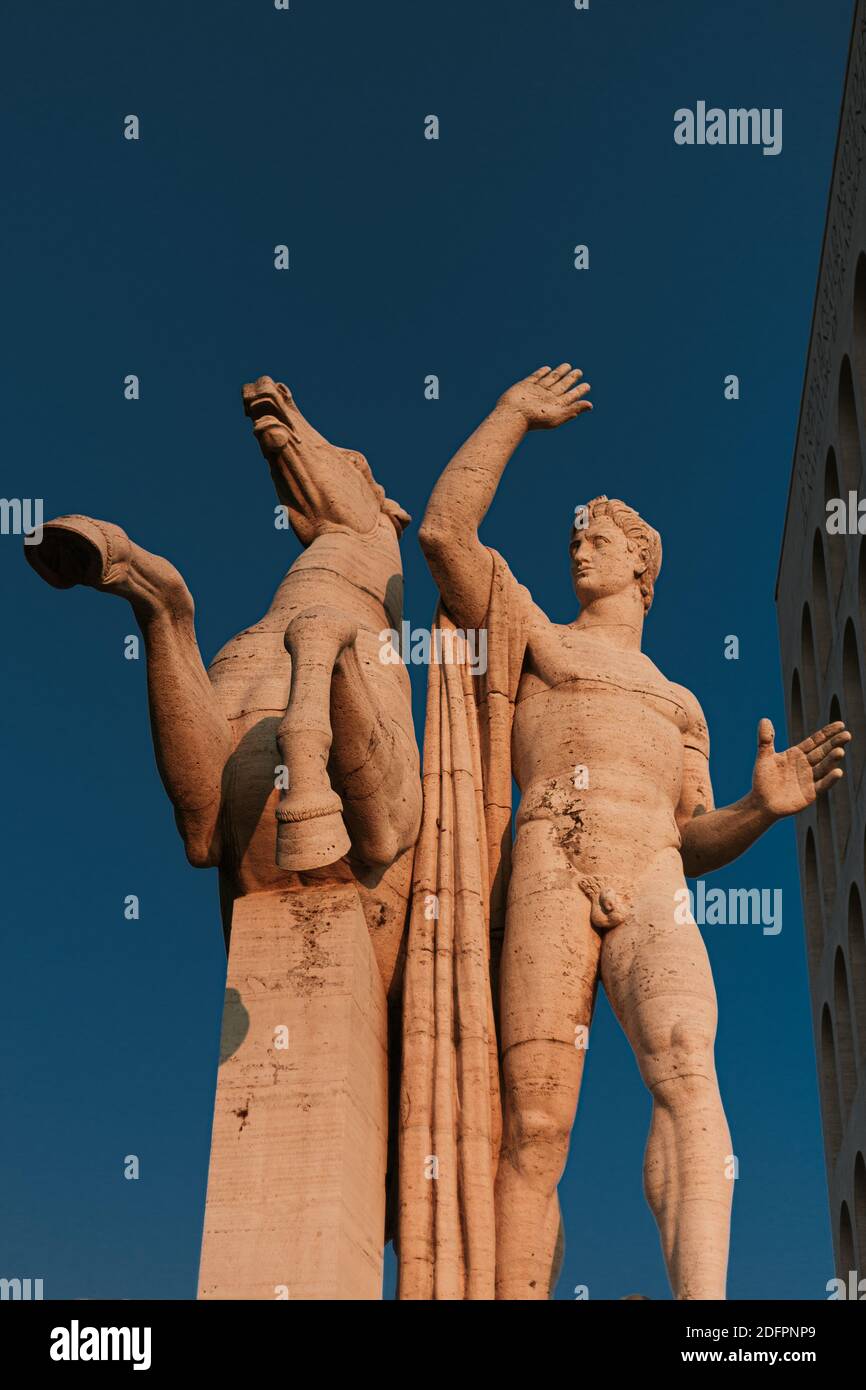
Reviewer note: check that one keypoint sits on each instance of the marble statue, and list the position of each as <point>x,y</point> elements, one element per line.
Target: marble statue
<point>292,767</point>
<point>505,949</point>
<point>354,892</point>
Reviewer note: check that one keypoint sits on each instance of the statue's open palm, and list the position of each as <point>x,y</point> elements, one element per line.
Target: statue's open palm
<point>549,398</point>
<point>788,782</point>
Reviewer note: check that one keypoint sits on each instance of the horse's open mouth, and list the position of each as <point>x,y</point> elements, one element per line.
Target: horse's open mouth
<point>265,412</point>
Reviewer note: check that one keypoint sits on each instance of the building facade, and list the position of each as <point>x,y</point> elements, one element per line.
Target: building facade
<point>821,605</point>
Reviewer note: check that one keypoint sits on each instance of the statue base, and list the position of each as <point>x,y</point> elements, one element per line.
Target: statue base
<point>296,1188</point>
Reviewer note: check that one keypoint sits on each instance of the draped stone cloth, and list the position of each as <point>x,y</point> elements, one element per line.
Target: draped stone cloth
<point>450,1109</point>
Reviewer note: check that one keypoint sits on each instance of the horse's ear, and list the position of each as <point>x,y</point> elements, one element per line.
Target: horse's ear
<point>399,517</point>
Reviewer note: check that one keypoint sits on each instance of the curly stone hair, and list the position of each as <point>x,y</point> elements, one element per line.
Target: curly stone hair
<point>640,536</point>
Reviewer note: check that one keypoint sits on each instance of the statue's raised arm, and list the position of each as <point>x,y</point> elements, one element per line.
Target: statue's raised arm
<point>460,564</point>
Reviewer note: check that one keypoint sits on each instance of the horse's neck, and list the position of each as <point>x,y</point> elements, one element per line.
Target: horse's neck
<point>371,563</point>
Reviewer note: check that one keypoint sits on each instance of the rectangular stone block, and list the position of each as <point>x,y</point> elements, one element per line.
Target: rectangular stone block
<point>296,1187</point>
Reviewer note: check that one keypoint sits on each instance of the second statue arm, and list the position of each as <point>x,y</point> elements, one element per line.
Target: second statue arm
<point>782,785</point>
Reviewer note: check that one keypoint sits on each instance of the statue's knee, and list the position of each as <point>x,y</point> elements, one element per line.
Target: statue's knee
<point>683,1082</point>
<point>539,1144</point>
<point>200,834</point>
<point>200,853</point>
<point>379,847</point>
<point>681,1066</point>
<point>319,630</point>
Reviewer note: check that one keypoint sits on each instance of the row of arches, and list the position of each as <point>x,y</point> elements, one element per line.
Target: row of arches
<point>843,471</point>
<point>805,702</point>
<point>808,714</point>
<point>842,1043</point>
<point>815,645</point>
<point>852,1234</point>
<point>852,460</point>
<point>843,1027</point>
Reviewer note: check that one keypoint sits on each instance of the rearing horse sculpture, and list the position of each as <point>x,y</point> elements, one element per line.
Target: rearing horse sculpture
<point>292,766</point>
<point>304,690</point>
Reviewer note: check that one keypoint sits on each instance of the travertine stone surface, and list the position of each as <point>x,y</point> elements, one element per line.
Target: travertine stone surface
<point>292,766</point>
<point>821,607</point>
<point>296,1200</point>
<point>612,762</point>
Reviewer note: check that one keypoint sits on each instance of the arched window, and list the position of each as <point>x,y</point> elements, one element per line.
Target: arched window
<point>798,723</point>
<point>857,960</point>
<point>860,333</point>
<point>821,600</point>
<point>809,670</point>
<point>840,795</point>
<point>860,1213</point>
<point>812,903</point>
<point>846,1244</point>
<point>855,714</point>
<point>849,439</point>
<point>830,1090</point>
<point>835,544</point>
<point>845,1063</point>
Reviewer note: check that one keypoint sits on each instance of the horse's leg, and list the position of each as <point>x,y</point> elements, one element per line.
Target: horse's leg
<point>310,829</point>
<point>191,736</point>
<point>374,757</point>
<point>336,725</point>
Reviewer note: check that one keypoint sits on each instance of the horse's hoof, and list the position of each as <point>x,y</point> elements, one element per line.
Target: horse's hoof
<point>81,550</point>
<point>310,834</point>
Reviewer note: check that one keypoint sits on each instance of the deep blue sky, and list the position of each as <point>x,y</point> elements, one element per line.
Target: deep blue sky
<point>408,257</point>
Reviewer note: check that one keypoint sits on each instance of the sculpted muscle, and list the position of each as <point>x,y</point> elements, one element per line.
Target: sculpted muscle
<point>612,762</point>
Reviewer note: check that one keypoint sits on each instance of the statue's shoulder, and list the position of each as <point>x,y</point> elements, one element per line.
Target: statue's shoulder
<point>696,734</point>
<point>519,598</point>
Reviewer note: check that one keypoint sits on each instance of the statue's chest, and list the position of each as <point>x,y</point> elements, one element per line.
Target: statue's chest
<point>569,666</point>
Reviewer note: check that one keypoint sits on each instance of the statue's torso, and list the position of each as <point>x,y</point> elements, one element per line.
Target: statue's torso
<point>597,747</point>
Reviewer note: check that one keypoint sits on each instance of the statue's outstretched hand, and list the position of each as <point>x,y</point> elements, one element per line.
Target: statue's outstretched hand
<point>548,398</point>
<point>785,783</point>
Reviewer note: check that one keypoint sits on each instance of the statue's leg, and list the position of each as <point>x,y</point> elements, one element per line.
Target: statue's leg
<point>657,977</point>
<point>338,731</point>
<point>191,736</point>
<point>548,981</point>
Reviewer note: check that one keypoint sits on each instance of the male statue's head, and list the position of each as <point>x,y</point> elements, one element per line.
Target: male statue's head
<point>613,551</point>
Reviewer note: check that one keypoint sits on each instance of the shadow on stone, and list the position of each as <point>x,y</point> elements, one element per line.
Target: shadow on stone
<point>236,1025</point>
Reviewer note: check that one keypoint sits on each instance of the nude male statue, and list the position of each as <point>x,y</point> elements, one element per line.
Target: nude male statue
<point>598,869</point>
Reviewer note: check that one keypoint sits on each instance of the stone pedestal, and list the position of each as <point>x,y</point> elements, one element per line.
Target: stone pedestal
<point>296,1188</point>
